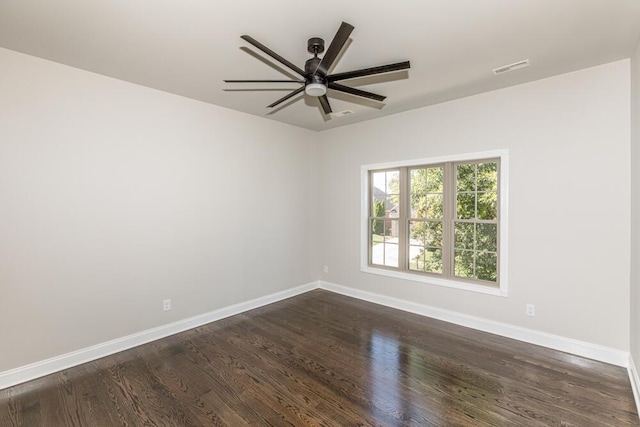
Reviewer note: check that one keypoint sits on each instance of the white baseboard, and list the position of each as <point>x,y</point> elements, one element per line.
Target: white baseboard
<point>635,382</point>
<point>74,358</point>
<point>556,342</point>
<point>592,351</point>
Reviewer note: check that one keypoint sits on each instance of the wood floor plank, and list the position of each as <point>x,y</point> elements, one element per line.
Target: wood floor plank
<point>323,359</point>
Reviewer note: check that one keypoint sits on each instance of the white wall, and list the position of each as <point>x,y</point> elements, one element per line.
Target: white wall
<point>569,207</point>
<point>635,205</point>
<point>114,196</point>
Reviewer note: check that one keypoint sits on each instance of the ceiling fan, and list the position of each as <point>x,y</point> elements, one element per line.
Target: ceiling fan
<point>314,77</point>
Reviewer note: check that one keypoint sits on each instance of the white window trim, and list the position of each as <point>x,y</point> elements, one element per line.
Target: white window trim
<point>502,290</point>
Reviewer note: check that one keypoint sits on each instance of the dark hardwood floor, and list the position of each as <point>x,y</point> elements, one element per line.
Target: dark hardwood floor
<point>327,360</point>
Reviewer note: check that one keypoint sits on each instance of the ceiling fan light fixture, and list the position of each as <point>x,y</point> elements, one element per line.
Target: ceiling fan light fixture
<point>315,89</point>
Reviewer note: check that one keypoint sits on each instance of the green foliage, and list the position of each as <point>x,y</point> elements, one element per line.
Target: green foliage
<point>426,193</point>
<point>464,235</point>
<point>426,188</point>
<point>486,266</point>
<point>487,237</point>
<point>435,206</point>
<point>427,235</point>
<point>465,178</point>
<point>433,260</point>
<point>429,260</point>
<point>488,205</point>
<point>487,176</point>
<point>378,212</point>
<point>466,206</point>
<point>477,184</point>
<point>475,250</point>
<point>476,243</point>
<point>463,263</point>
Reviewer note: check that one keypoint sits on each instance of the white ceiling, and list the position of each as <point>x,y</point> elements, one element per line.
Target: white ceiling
<point>188,47</point>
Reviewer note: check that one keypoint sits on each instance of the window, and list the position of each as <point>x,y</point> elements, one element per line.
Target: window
<point>440,221</point>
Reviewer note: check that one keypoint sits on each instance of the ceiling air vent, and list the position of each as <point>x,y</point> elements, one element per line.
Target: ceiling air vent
<point>511,67</point>
<point>342,113</point>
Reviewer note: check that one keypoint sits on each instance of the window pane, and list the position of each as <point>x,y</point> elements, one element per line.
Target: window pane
<point>417,188</point>
<point>379,180</point>
<point>464,235</point>
<point>378,209</point>
<point>426,233</point>
<point>434,206</point>
<point>416,258</point>
<point>488,177</point>
<point>463,264</point>
<point>466,206</point>
<point>393,182</point>
<point>488,205</point>
<point>433,260</point>
<point>384,242</point>
<point>391,230</point>
<point>392,206</point>
<point>377,241</point>
<point>426,189</point>
<point>434,180</point>
<point>418,232</point>
<point>465,178</point>
<point>487,237</point>
<point>427,180</point>
<point>434,234</point>
<point>391,254</point>
<point>385,194</point>
<point>418,183</point>
<point>429,260</point>
<point>377,231</point>
<point>418,206</point>
<point>487,266</point>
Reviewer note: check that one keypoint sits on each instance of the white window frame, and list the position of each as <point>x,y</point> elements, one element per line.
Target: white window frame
<point>503,188</point>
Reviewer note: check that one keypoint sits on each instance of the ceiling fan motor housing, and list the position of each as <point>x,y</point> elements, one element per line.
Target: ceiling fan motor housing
<point>312,74</point>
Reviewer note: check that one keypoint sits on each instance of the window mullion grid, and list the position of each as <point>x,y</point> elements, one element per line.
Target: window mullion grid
<point>497,220</point>
<point>403,220</point>
<point>369,226</point>
<point>449,203</point>
<point>449,221</point>
<point>475,218</point>
<point>372,217</point>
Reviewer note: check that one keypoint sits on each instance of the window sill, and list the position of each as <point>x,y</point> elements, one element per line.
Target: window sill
<point>489,290</point>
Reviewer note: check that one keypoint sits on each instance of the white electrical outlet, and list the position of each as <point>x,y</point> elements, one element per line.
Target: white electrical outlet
<point>531,310</point>
<point>325,269</point>
<point>166,304</point>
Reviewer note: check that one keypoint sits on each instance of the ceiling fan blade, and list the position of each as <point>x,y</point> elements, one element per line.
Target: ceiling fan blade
<point>335,47</point>
<point>369,71</point>
<point>264,81</point>
<point>272,54</point>
<point>287,96</point>
<point>326,107</point>
<point>357,92</point>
